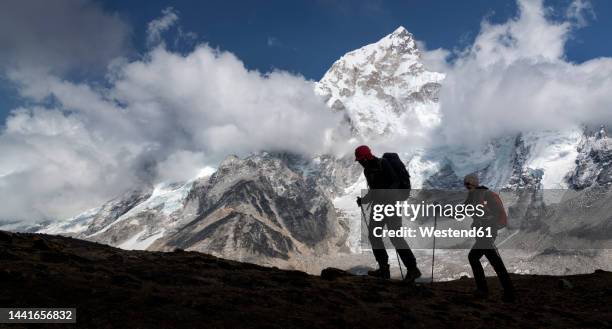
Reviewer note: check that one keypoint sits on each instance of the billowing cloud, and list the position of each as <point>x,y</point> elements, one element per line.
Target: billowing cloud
<point>164,117</point>
<point>515,77</point>
<point>580,11</point>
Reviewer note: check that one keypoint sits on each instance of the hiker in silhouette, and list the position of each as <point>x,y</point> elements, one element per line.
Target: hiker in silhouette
<point>381,175</point>
<point>485,246</point>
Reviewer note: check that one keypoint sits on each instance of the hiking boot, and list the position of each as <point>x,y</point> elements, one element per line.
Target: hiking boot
<point>412,275</point>
<point>480,294</point>
<point>382,272</point>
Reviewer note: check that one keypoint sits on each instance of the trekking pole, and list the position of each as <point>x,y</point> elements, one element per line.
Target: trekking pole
<point>363,218</point>
<point>400,265</point>
<point>433,254</point>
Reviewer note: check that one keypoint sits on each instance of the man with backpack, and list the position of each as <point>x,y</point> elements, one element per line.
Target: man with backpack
<point>386,173</point>
<point>494,218</point>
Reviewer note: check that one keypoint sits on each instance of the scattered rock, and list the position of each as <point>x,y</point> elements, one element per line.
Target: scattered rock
<point>332,273</point>
<point>360,270</point>
<point>565,284</point>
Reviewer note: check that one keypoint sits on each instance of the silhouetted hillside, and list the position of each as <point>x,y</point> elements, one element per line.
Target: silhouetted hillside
<point>114,288</point>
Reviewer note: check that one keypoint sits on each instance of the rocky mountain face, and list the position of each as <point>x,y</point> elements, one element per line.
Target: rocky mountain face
<point>266,208</point>
<point>594,160</point>
<point>280,209</point>
<point>258,208</point>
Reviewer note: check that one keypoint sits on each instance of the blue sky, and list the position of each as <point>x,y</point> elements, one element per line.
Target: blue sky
<point>306,37</point>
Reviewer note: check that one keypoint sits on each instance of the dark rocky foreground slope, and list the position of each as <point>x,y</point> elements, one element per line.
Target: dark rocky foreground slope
<point>114,288</point>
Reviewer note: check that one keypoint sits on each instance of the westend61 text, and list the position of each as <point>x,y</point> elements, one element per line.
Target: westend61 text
<point>414,211</point>
<point>428,232</point>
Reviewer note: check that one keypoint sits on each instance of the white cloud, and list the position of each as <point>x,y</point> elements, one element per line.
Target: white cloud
<point>181,165</point>
<point>164,117</point>
<point>580,11</point>
<point>515,77</point>
<point>156,27</point>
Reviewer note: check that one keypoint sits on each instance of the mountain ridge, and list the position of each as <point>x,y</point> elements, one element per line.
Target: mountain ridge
<point>111,287</point>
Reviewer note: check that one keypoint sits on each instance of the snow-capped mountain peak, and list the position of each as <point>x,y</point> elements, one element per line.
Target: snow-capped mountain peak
<point>384,88</point>
<point>400,40</point>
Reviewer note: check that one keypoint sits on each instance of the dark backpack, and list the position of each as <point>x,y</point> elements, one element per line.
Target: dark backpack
<point>400,171</point>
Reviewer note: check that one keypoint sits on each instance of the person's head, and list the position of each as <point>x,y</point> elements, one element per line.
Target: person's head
<point>363,154</point>
<point>471,181</point>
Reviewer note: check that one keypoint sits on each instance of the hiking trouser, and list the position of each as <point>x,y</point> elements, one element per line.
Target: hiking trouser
<point>486,247</point>
<point>378,246</point>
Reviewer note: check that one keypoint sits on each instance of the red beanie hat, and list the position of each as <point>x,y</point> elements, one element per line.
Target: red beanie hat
<point>363,152</point>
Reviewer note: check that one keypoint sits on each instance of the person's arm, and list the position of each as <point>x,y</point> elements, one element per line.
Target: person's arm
<point>493,208</point>
<point>367,197</point>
